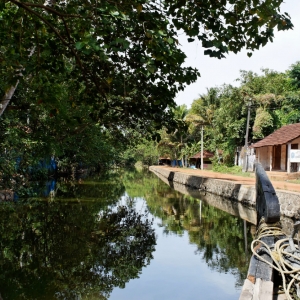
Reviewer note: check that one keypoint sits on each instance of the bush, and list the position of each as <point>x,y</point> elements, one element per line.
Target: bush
<point>222,168</point>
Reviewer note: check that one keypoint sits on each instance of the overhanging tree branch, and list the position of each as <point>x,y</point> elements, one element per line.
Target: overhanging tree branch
<point>10,92</point>
<point>22,5</point>
<point>48,8</point>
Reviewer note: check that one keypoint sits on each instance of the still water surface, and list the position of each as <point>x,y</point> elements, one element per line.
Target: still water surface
<point>125,236</point>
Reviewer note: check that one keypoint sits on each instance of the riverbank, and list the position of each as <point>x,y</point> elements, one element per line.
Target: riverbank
<point>238,188</point>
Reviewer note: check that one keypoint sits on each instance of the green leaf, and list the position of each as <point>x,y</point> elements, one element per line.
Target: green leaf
<point>79,45</point>
<point>170,41</point>
<point>207,44</point>
<point>119,40</point>
<point>126,44</point>
<point>160,32</point>
<point>87,51</point>
<point>95,47</point>
<point>151,68</point>
<point>114,13</point>
<point>207,52</point>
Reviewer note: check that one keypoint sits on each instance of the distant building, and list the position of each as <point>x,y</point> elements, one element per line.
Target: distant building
<point>196,160</point>
<point>241,153</point>
<point>279,150</point>
<point>167,161</point>
<point>164,161</point>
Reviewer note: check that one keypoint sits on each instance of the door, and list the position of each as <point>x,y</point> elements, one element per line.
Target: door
<point>276,157</point>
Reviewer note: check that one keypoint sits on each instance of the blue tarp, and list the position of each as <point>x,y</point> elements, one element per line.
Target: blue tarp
<point>179,163</point>
<point>45,164</point>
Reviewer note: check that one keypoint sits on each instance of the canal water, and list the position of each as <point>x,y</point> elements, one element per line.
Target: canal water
<point>126,235</point>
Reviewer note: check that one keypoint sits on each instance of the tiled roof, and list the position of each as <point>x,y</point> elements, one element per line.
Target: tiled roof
<point>206,154</point>
<point>281,136</point>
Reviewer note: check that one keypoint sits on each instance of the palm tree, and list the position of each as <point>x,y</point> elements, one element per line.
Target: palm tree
<point>173,143</point>
<point>202,113</point>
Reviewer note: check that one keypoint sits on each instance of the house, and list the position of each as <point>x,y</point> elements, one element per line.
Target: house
<point>167,161</point>
<point>164,161</point>
<point>241,153</point>
<point>196,159</point>
<point>279,150</point>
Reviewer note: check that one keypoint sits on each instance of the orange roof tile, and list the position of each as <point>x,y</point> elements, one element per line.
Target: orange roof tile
<point>206,154</point>
<point>281,136</point>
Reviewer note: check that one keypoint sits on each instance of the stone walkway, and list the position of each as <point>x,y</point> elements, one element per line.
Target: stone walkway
<point>278,184</point>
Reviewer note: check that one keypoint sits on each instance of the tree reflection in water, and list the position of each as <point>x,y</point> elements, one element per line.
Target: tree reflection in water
<point>84,243</point>
<point>219,236</point>
<point>72,249</point>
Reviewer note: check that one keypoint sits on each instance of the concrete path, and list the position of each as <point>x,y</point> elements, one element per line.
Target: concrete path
<point>278,184</point>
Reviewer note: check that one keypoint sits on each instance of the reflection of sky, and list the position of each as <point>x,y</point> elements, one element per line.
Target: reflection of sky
<point>177,273</point>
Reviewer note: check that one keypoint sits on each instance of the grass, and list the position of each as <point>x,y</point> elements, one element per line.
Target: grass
<point>294,181</point>
<point>234,170</point>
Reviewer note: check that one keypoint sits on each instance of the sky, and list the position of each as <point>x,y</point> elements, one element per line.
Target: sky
<point>278,56</point>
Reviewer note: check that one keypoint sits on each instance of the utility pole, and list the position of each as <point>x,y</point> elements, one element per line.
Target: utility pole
<point>245,238</point>
<point>246,137</point>
<point>200,212</point>
<point>246,169</point>
<point>201,147</point>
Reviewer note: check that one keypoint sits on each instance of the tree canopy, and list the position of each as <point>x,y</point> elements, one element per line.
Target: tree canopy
<point>272,97</point>
<point>274,102</point>
<point>124,55</point>
<point>81,73</point>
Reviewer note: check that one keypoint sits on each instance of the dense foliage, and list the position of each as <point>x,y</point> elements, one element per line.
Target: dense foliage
<point>273,99</point>
<point>79,80</point>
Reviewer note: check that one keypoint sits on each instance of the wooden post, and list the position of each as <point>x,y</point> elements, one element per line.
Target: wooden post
<point>288,157</point>
<point>271,157</point>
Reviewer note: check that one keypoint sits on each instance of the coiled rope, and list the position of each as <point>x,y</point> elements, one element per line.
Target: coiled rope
<point>279,253</point>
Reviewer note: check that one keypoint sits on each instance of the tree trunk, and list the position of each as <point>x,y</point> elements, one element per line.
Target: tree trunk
<point>10,92</point>
<point>182,161</point>
<point>7,97</point>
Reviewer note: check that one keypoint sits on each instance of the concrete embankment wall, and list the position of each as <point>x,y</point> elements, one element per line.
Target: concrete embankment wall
<point>245,194</point>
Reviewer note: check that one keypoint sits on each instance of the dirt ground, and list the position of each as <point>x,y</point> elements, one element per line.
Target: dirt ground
<point>278,184</point>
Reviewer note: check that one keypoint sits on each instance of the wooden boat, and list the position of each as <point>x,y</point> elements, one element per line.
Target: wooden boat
<point>274,268</point>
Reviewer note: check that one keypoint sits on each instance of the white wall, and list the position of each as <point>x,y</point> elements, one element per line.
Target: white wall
<point>297,141</point>
<point>262,156</point>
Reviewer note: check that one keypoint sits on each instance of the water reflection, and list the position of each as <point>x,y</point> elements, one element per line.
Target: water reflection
<point>76,249</point>
<point>94,236</point>
<point>219,236</point>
